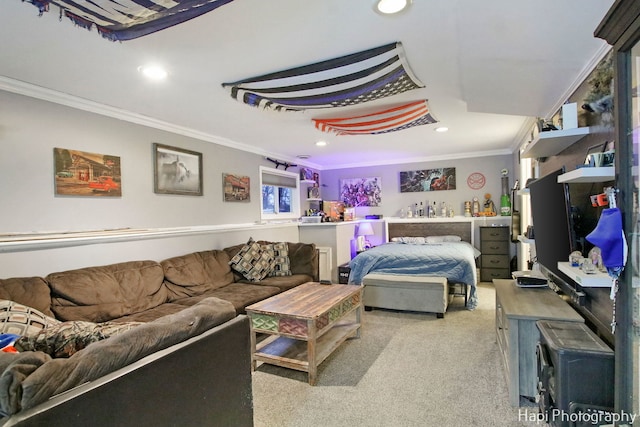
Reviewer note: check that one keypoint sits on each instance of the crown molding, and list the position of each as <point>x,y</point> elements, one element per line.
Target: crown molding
<point>33,91</point>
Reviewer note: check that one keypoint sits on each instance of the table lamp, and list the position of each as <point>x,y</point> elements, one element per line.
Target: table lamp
<point>364,230</point>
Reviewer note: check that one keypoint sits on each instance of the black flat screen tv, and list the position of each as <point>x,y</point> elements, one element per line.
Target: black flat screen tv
<point>553,227</point>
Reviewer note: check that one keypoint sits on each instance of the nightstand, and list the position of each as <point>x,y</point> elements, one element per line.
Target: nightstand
<point>343,273</point>
<point>494,260</point>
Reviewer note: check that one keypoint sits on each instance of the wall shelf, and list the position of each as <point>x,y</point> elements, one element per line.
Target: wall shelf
<point>523,239</point>
<point>602,174</point>
<point>552,142</point>
<point>596,280</point>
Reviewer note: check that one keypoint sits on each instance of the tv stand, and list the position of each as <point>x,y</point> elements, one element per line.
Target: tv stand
<point>517,310</point>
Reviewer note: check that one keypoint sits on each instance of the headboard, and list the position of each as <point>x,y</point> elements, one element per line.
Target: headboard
<point>423,229</point>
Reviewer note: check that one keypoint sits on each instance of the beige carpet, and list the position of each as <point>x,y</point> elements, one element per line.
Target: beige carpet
<point>407,369</point>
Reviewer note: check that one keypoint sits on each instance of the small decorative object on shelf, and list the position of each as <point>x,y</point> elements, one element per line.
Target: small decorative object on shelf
<point>313,192</point>
<point>505,199</point>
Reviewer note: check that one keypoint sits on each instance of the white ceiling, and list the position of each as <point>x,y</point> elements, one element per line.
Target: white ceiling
<point>488,68</point>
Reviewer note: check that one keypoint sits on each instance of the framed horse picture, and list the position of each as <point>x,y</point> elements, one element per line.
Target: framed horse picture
<point>177,171</point>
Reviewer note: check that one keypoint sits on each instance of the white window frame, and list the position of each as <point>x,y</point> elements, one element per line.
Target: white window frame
<point>265,174</point>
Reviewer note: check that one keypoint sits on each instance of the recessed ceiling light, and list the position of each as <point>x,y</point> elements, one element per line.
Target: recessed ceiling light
<point>153,72</point>
<point>389,7</point>
<point>441,129</point>
<point>303,156</point>
<point>321,143</point>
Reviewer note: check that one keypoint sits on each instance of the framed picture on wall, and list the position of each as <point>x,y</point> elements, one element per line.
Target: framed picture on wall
<point>236,188</point>
<point>177,171</point>
<point>78,173</point>
<point>428,180</point>
<point>361,191</point>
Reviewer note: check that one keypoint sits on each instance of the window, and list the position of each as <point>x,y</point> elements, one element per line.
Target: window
<point>280,197</point>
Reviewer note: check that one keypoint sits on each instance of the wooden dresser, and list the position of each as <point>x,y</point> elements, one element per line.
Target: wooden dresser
<point>517,310</point>
<point>494,260</point>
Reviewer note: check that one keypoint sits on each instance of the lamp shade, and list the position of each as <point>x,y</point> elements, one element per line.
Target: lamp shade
<point>365,229</point>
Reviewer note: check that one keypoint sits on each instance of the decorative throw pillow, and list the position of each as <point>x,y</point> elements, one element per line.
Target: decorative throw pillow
<point>67,338</point>
<point>22,320</point>
<point>280,253</point>
<point>252,261</point>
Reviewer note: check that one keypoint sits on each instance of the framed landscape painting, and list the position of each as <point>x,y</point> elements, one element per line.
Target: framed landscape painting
<point>177,171</point>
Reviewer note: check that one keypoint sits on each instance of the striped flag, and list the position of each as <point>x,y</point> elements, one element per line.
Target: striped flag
<point>348,80</point>
<point>130,19</point>
<point>389,120</point>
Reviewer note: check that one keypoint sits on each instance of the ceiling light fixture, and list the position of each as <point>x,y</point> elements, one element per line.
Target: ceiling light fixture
<point>441,129</point>
<point>321,143</point>
<point>153,72</point>
<point>389,7</point>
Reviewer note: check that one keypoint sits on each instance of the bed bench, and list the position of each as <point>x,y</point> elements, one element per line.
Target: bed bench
<point>413,292</point>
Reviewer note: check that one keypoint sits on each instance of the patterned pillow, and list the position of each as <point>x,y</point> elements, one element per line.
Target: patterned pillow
<point>252,261</point>
<point>67,338</point>
<point>22,320</point>
<point>280,253</point>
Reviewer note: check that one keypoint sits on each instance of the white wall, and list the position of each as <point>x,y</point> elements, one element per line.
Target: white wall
<point>393,200</point>
<point>29,131</point>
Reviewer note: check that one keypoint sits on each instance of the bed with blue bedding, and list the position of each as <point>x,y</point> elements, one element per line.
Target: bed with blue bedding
<point>442,256</point>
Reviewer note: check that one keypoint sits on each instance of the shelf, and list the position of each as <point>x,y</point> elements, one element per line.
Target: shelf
<point>313,199</point>
<point>526,240</point>
<point>596,280</point>
<point>307,181</point>
<point>602,174</point>
<point>552,142</point>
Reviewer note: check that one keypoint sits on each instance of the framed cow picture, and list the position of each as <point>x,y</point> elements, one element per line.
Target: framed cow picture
<point>177,171</point>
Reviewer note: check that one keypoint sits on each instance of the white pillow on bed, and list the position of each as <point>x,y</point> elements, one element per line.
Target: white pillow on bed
<point>440,239</point>
<point>411,240</point>
<point>428,239</point>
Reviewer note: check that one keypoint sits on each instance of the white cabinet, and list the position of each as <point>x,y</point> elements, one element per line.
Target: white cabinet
<point>334,235</point>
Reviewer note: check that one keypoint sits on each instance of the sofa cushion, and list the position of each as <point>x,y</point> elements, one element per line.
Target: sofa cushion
<point>252,261</point>
<point>280,253</point>
<point>239,294</point>
<point>304,259</point>
<point>23,320</point>
<point>285,282</point>
<point>196,273</point>
<point>100,294</point>
<point>30,291</point>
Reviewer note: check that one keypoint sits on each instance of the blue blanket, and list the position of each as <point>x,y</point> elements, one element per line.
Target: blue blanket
<point>453,260</point>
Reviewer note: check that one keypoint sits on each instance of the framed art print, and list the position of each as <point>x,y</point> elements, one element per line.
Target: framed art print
<point>78,173</point>
<point>236,188</point>
<point>177,171</point>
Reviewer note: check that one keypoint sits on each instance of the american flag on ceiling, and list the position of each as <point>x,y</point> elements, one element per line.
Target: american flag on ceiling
<point>348,80</point>
<point>130,19</point>
<point>388,120</point>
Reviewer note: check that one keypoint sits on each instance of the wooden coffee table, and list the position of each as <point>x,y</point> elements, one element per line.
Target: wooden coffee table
<point>307,324</point>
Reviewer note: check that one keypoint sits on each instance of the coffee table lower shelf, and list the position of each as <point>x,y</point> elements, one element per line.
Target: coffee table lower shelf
<point>292,353</point>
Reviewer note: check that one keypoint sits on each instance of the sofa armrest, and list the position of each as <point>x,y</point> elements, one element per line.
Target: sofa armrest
<point>205,380</point>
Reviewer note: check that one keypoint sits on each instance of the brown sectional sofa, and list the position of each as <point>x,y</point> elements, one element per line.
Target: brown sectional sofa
<point>188,364</point>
